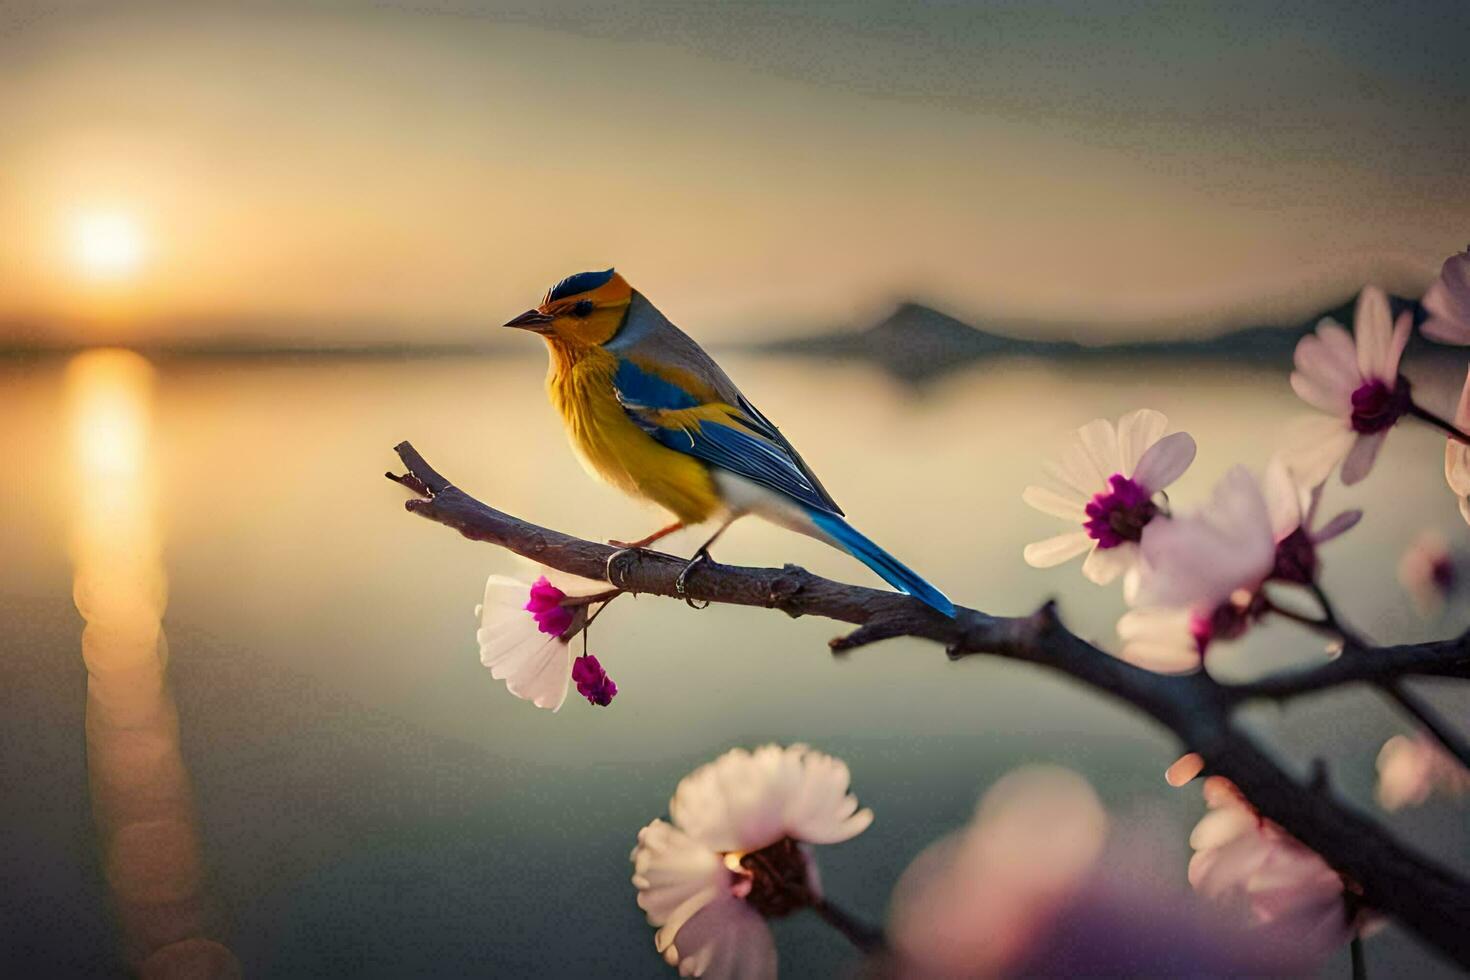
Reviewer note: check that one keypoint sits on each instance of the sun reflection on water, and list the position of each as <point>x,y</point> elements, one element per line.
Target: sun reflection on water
<point>141,796</point>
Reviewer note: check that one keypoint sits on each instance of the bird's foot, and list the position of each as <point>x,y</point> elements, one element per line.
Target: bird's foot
<point>681,583</point>
<point>614,566</point>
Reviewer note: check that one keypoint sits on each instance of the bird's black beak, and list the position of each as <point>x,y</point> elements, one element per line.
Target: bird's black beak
<point>532,320</point>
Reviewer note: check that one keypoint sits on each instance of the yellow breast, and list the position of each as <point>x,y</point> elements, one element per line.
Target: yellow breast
<point>615,449</point>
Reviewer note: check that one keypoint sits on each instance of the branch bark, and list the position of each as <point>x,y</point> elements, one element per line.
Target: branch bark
<point>1428,899</point>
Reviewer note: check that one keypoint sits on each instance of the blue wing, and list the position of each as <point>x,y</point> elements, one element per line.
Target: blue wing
<point>750,447</point>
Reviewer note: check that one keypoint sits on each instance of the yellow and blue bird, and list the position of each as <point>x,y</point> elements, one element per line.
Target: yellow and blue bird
<point>651,413</point>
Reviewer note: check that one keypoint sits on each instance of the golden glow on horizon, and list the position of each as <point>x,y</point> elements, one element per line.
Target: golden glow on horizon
<point>746,202</point>
<point>106,246</point>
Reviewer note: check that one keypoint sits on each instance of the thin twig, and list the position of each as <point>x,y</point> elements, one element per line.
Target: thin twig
<point>1349,635</point>
<point>1311,622</point>
<point>1426,897</point>
<point>1425,714</point>
<point>867,938</point>
<point>1449,428</point>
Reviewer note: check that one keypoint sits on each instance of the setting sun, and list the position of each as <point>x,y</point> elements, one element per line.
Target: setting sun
<point>106,245</point>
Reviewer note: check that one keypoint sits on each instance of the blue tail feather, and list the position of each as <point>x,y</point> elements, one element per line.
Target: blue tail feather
<point>889,568</point>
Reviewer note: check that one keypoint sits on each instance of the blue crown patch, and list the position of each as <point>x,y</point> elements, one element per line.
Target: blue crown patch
<point>580,283</point>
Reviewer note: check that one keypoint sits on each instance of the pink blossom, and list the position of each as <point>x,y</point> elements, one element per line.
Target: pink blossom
<point>1447,301</point>
<point>526,629</point>
<point>1200,578</point>
<point>1429,572</point>
<point>975,902</point>
<point>1412,768</point>
<point>1260,875</point>
<point>1036,885</point>
<point>1106,483</point>
<point>1356,381</point>
<point>1293,508</point>
<point>736,851</point>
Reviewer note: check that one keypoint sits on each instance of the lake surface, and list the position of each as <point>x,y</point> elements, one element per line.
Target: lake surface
<point>355,795</point>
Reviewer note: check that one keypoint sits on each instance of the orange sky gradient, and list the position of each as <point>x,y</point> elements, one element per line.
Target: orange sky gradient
<point>335,175</point>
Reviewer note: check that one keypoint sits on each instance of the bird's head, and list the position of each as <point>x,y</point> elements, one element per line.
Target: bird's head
<point>584,310</point>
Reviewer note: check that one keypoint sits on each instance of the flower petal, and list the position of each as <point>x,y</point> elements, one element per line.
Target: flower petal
<point>1338,526</point>
<point>725,940</point>
<point>1054,551</point>
<point>1446,330</point>
<point>1402,327</point>
<point>1185,768</point>
<point>1075,471</point>
<point>1283,498</point>
<point>1403,774</point>
<point>1462,409</point>
<point>684,888</point>
<point>1165,461</point>
<point>1055,504</point>
<point>1360,459</point>
<point>1448,302</point>
<point>1105,564</point>
<point>820,810</point>
<point>1457,454</point>
<point>675,875</point>
<point>1373,328</point>
<point>1100,441</point>
<point>1327,360</point>
<point>1341,349</point>
<point>535,667</point>
<point>1137,431</point>
<point>1315,445</point>
<point>744,801</point>
<point>1201,559</point>
<point>1330,397</point>
<point>1158,640</point>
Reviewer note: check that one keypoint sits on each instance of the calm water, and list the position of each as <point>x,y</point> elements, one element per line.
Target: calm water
<point>366,800</point>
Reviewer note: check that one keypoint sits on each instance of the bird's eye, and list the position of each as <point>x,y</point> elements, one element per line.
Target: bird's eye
<point>583,309</point>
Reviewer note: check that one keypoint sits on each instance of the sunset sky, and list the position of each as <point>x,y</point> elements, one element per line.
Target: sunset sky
<point>421,171</point>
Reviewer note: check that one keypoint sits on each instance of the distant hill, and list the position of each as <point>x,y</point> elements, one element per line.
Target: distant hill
<point>917,343</point>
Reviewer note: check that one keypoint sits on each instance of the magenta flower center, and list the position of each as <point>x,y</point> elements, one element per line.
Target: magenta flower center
<point>1120,513</point>
<point>545,606</point>
<point>1376,406</point>
<point>592,681</point>
<point>1296,558</point>
<point>1228,621</point>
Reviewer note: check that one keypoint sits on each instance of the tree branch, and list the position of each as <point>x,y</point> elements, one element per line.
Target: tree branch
<point>1428,899</point>
<point>1363,665</point>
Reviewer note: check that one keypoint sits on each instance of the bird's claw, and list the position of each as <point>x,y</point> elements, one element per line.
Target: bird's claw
<point>681,583</point>
<point>612,561</point>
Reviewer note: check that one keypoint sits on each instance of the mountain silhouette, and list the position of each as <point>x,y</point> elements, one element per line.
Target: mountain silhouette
<point>917,343</point>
